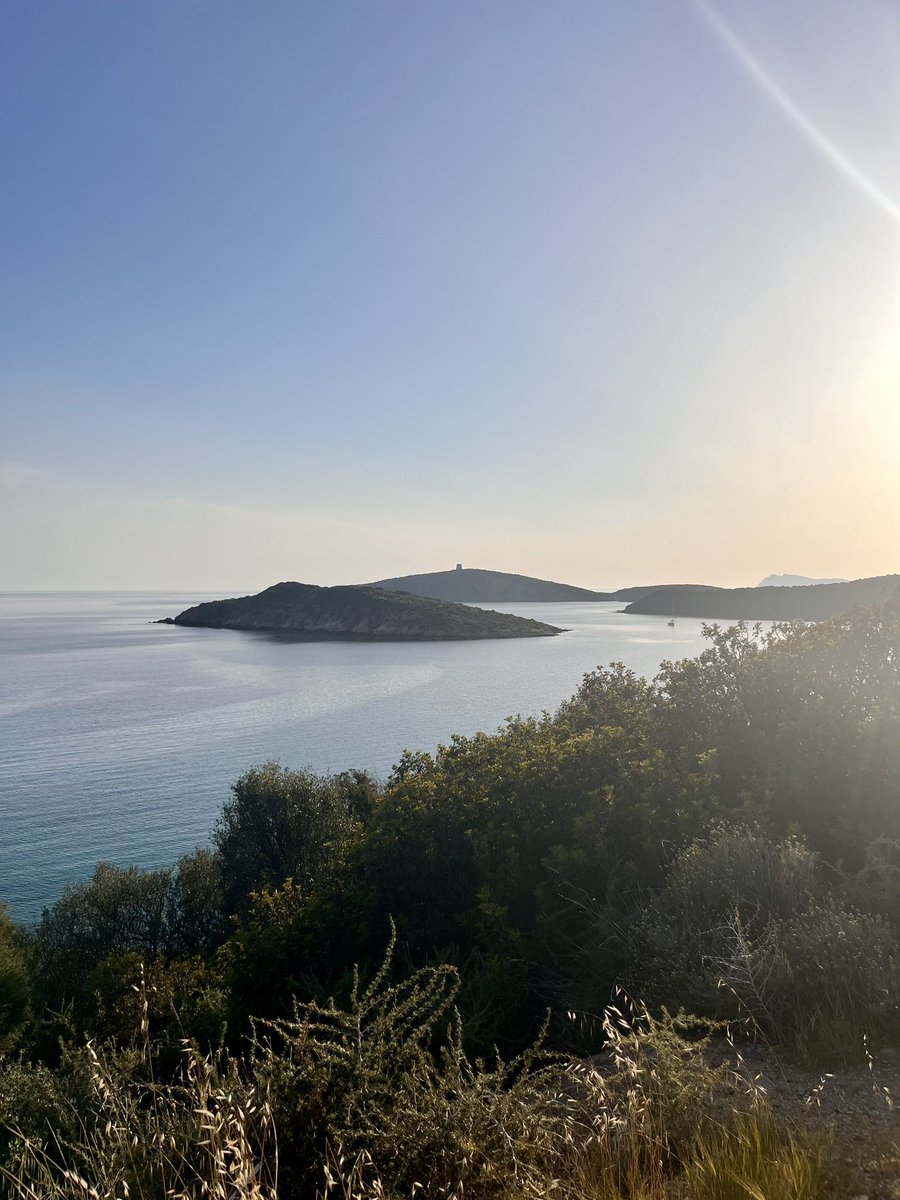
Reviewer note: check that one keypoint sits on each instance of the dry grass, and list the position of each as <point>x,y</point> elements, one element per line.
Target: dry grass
<point>755,1161</point>
<point>376,1103</point>
<point>203,1134</point>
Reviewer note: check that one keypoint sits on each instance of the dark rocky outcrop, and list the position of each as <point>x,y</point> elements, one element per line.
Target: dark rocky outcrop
<point>304,611</point>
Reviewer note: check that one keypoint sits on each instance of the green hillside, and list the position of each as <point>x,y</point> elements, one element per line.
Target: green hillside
<point>467,585</point>
<point>815,602</point>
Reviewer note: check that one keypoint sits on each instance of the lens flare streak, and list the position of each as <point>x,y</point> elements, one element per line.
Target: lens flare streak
<point>798,118</point>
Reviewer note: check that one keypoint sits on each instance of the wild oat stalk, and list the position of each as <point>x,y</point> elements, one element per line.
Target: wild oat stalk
<point>205,1134</point>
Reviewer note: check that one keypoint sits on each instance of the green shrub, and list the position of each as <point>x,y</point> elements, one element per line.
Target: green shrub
<point>116,911</point>
<point>736,882</point>
<point>823,982</point>
<point>383,1090</point>
<point>15,990</point>
<point>194,919</point>
<point>746,927</point>
<point>875,887</point>
<point>37,1106</point>
<point>185,998</point>
<point>282,824</point>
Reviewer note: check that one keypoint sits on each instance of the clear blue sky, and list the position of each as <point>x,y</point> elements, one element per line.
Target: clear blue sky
<point>603,291</point>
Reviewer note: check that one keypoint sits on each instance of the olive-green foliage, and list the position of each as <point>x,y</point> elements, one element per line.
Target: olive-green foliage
<point>282,824</point>
<point>801,725</point>
<point>194,920</point>
<point>824,982</point>
<point>15,991</point>
<point>734,883</point>
<point>121,912</point>
<point>114,912</point>
<point>37,1104</point>
<point>183,997</point>
<point>266,959</point>
<point>747,926</point>
<point>476,851</point>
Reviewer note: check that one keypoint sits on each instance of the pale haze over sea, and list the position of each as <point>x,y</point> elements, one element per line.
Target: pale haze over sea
<point>120,737</point>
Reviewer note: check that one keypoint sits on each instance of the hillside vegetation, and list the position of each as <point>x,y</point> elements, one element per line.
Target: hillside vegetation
<point>472,586</point>
<point>458,982</point>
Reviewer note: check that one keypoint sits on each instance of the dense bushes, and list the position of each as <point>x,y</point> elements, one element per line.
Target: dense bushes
<point>721,892</point>
<point>121,912</point>
<point>749,926</point>
<point>15,994</point>
<point>385,1082</point>
<point>802,723</point>
<point>282,824</point>
<point>822,982</point>
<point>724,838</point>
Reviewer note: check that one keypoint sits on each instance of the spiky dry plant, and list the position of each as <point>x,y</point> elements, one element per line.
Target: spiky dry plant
<point>381,1095</point>
<point>649,1120</point>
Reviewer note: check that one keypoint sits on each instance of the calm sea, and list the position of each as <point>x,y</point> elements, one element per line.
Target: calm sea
<point>119,738</point>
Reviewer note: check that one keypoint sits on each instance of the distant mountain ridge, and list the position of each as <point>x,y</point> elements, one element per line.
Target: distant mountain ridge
<point>814,602</point>
<point>794,581</point>
<point>470,585</point>
<point>303,610</point>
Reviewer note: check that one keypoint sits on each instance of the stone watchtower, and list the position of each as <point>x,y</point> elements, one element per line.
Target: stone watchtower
<point>459,566</point>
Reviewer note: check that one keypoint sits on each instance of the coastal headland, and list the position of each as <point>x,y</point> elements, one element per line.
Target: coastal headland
<point>814,602</point>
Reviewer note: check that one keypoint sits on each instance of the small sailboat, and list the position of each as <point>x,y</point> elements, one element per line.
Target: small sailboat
<point>672,620</point>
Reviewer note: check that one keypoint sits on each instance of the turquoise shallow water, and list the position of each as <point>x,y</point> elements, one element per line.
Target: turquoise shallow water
<point>119,738</point>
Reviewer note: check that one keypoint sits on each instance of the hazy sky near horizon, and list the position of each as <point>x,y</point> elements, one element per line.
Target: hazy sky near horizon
<point>599,291</point>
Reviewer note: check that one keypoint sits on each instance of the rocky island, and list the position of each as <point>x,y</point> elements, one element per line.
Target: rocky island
<point>305,611</point>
